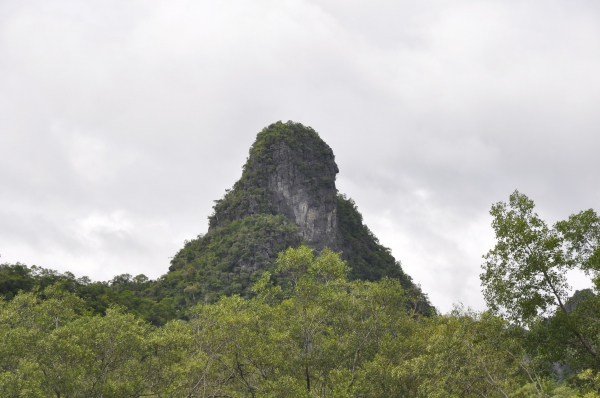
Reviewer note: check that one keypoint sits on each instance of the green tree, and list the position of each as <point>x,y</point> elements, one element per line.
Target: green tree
<point>468,354</point>
<point>331,329</point>
<point>525,275</point>
<point>581,233</point>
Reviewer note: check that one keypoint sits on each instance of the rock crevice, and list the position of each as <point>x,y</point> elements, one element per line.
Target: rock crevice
<point>314,211</point>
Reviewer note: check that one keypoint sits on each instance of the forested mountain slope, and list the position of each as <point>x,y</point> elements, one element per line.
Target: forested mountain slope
<point>286,196</point>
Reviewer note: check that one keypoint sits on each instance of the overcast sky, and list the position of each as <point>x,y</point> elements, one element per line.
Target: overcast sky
<point>121,121</point>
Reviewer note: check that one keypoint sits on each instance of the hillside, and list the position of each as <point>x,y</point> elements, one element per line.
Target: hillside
<point>286,196</point>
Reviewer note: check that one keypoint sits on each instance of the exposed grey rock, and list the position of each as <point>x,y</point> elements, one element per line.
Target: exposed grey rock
<point>314,211</point>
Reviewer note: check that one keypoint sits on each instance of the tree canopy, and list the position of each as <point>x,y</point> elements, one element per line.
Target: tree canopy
<point>525,280</point>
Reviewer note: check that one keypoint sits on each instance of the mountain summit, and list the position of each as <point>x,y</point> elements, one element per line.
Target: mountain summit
<point>285,197</point>
<point>290,171</point>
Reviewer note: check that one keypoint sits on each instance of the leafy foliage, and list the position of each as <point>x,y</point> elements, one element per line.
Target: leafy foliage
<point>524,279</point>
<point>317,335</point>
<point>124,290</point>
<point>227,260</point>
<point>525,272</point>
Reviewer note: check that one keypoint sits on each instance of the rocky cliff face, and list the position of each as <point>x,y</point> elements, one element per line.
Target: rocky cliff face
<point>290,171</point>
<point>314,211</point>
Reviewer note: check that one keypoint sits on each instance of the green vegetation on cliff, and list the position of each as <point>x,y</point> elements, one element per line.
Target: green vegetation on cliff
<point>225,261</point>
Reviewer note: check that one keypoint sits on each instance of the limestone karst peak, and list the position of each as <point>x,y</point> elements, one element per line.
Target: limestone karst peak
<point>290,171</point>
<point>285,197</point>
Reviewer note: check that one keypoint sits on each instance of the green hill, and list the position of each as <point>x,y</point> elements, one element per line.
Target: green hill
<point>286,196</point>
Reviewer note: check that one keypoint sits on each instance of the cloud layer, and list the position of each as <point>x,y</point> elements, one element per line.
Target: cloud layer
<point>121,121</point>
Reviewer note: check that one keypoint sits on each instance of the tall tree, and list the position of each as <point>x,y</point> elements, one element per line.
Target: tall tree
<point>524,275</point>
